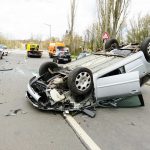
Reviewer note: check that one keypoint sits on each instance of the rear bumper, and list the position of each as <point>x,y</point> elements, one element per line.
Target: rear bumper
<point>34,53</point>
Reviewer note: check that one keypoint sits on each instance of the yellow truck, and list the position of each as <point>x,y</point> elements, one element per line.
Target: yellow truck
<point>55,46</point>
<point>33,50</point>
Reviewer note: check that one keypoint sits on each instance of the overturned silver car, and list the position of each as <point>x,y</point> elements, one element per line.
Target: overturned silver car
<point>101,79</point>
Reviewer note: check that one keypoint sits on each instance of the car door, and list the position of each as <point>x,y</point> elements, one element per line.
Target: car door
<point>136,65</point>
<point>117,85</point>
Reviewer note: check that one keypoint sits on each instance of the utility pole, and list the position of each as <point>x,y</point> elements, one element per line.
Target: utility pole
<point>106,20</point>
<point>106,15</point>
<point>49,25</point>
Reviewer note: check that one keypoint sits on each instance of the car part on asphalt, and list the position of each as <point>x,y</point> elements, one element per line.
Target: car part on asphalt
<point>99,80</point>
<point>14,112</point>
<point>9,69</point>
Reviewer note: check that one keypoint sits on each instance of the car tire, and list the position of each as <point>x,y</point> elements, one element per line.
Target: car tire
<point>50,55</point>
<point>47,65</point>
<point>111,44</point>
<point>145,48</point>
<point>39,56</point>
<point>28,54</point>
<point>80,81</point>
<point>55,60</point>
<point>69,61</point>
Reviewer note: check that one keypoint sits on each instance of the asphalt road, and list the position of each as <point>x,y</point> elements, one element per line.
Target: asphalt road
<point>31,129</point>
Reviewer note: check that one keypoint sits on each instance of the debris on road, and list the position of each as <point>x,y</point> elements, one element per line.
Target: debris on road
<point>132,123</point>
<point>14,112</point>
<point>2,102</point>
<point>9,69</point>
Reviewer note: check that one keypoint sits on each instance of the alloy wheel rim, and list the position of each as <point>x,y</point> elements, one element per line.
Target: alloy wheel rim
<point>83,81</point>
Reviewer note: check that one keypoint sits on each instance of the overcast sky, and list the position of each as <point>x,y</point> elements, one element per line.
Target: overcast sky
<point>20,19</point>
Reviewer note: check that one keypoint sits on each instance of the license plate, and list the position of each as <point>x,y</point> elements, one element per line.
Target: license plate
<point>65,59</point>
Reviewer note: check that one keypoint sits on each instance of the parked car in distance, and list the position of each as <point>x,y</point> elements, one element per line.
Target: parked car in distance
<point>62,56</point>
<point>4,48</point>
<point>1,53</point>
<point>83,54</point>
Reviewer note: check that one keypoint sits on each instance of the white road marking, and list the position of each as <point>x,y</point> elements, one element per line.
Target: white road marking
<point>83,136</point>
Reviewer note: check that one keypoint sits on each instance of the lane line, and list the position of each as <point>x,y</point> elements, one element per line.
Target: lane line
<point>83,136</point>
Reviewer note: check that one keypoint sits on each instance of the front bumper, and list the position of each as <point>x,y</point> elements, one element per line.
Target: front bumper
<point>64,59</point>
<point>35,95</point>
<point>31,95</point>
<point>34,98</point>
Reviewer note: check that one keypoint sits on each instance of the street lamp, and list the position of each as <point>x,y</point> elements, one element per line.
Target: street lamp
<point>49,25</point>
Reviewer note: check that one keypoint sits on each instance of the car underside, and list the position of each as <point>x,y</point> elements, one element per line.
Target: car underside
<point>98,80</point>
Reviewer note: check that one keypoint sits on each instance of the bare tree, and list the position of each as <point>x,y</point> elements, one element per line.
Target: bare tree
<point>71,22</point>
<point>139,29</point>
<point>112,15</point>
<point>119,13</point>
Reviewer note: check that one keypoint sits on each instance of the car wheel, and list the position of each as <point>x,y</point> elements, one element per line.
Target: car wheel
<point>69,61</point>
<point>50,55</point>
<point>55,60</point>
<point>145,47</point>
<point>44,68</point>
<point>28,54</point>
<point>39,56</point>
<point>111,44</point>
<point>80,81</point>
